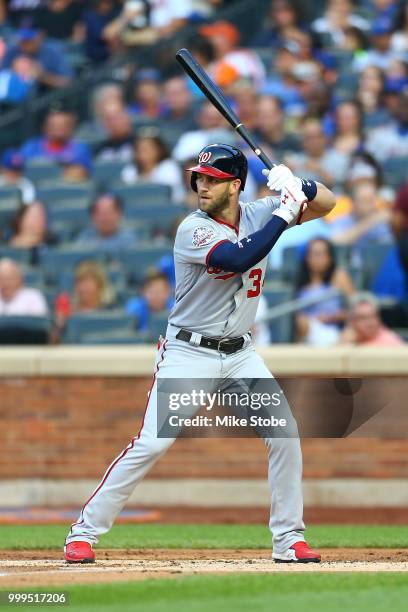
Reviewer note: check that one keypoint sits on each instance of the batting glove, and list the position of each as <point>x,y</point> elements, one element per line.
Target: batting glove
<point>281,176</point>
<point>293,200</point>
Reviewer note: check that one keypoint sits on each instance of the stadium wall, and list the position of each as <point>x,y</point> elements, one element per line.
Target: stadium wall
<point>66,412</point>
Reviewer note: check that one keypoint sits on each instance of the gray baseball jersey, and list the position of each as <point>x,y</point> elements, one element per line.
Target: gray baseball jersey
<point>211,301</point>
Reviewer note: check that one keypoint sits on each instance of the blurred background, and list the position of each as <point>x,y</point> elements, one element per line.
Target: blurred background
<point>98,124</point>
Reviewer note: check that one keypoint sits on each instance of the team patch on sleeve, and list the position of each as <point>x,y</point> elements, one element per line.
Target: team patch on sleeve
<point>202,236</point>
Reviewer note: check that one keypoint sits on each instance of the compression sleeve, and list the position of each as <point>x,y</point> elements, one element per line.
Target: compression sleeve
<point>241,256</point>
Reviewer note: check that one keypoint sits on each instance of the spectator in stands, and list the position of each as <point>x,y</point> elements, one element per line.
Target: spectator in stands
<point>19,11</point>
<point>399,40</point>
<point>76,166</point>
<point>105,100</point>
<point>364,326</point>
<point>370,96</point>
<point>156,297</point>
<point>399,224</point>
<point>57,143</point>
<point>92,292</point>
<point>366,224</point>
<point>380,53</point>
<point>318,161</point>
<point>49,64</point>
<point>348,124</point>
<point>152,163</point>
<point>144,23</point>
<point>62,20</point>
<point>283,26</point>
<point>212,127</point>
<point>106,231</point>
<point>12,175</point>
<point>179,110</point>
<point>391,141</point>
<point>17,83</point>
<point>101,13</point>
<point>318,324</point>
<point>147,94</point>
<point>30,227</point>
<point>330,27</point>
<point>232,61</point>
<point>118,146</point>
<point>271,127</point>
<point>15,298</point>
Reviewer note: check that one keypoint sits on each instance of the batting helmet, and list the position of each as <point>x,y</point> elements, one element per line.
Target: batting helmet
<point>222,162</point>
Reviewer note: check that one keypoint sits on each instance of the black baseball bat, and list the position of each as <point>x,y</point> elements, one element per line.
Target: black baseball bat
<point>216,97</point>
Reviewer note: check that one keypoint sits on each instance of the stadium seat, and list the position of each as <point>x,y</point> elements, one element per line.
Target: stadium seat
<point>157,325</point>
<point>41,170</point>
<point>65,194</point>
<point>155,217</point>
<point>24,330</point>
<point>54,261</point>
<point>105,173</point>
<point>281,327</point>
<point>70,218</point>
<point>80,325</point>
<point>372,257</point>
<point>9,204</point>
<point>124,336</point>
<point>23,256</point>
<point>395,171</point>
<point>291,258</point>
<point>137,261</point>
<point>143,194</point>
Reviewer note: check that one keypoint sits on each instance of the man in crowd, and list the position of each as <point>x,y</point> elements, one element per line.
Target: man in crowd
<point>106,231</point>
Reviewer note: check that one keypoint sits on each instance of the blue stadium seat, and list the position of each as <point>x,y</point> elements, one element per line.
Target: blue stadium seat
<point>70,217</point>
<point>23,256</point>
<point>65,194</point>
<point>54,261</point>
<point>157,325</point>
<point>281,327</point>
<point>9,204</point>
<point>111,337</point>
<point>395,171</point>
<point>40,170</point>
<point>372,257</point>
<point>107,172</point>
<point>160,217</point>
<point>143,195</point>
<point>137,261</point>
<point>24,330</point>
<point>97,322</point>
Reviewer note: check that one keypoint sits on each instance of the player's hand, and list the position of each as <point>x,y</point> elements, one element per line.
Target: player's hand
<point>292,205</point>
<point>281,176</point>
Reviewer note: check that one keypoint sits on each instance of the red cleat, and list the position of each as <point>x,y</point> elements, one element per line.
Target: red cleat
<point>300,552</point>
<point>79,552</point>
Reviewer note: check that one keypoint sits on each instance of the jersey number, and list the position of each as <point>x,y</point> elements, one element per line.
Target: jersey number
<point>256,276</point>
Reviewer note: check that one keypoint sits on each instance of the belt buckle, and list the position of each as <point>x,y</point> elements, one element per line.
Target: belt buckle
<point>219,348</point>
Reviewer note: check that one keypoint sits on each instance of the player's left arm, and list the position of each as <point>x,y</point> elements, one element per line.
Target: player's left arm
<point>319,199</point>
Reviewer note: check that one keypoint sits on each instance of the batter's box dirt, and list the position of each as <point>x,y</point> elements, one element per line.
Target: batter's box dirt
<point>40,568</point>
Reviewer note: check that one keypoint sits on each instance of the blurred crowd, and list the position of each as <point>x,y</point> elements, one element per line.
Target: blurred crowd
<point>327,95</point>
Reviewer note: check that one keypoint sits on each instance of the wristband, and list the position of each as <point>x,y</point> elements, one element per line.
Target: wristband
<point>309,188</point>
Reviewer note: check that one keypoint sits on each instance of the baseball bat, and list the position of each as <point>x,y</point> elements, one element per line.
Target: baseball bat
<point>217,98</point>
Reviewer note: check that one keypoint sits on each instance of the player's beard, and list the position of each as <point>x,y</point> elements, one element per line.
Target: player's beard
<point>215,207</point>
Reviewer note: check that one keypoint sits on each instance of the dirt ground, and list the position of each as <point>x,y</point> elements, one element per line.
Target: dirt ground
<point>47,568</point>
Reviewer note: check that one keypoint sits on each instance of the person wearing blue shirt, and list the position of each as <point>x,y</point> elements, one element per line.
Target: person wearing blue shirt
<point>51,66</point>
<point>156,297</point>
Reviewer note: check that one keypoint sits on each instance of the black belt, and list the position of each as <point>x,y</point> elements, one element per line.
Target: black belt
<point>223,345</point>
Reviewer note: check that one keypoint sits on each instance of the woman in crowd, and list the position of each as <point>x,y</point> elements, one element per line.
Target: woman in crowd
<point>152,163</point>
<point>348,123</point>
<point>318,324</point>
<point>92,291</point>
<point>30,228</point>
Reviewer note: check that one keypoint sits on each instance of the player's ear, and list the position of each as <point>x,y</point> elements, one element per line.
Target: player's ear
<point>235,186</point>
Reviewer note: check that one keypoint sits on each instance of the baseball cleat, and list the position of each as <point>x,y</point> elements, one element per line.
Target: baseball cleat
<point>79,552</point>
<point>300,552</point>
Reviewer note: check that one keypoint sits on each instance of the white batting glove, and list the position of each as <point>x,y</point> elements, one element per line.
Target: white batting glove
<point>281,176</point>
<point>292,205</point>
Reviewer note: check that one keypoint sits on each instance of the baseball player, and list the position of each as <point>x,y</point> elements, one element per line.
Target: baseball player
<point>220,255</point>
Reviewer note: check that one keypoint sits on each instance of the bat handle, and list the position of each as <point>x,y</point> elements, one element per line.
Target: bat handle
<point>243,132</point>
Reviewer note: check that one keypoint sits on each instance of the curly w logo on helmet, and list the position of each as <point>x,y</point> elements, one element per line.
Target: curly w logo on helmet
<point>204,157</point>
